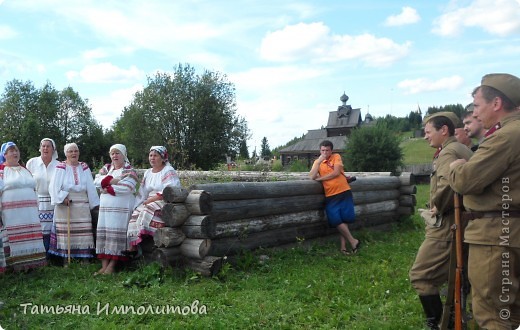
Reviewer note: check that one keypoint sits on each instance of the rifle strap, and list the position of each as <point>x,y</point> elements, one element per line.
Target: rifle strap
<point>450,297</point>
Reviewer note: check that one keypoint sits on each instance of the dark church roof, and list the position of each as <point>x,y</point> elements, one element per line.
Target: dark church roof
<point>339,124</point>
<point>311,143</point>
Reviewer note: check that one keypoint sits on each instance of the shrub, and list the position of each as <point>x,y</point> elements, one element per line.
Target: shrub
<point>373,149</point>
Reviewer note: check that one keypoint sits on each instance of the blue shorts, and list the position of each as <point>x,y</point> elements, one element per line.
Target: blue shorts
<point>340,209</point>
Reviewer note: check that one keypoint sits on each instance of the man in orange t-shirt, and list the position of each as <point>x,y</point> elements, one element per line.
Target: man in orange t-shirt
<point>339,205</point>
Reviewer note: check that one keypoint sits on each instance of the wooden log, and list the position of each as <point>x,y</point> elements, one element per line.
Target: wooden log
<point>407,178</point>
<point>174,215</point>
<point>407,200</point>
<point>209,266</point>
<point>195,248</point>
<point>199,202</point>
<point>408,190</point>
<point>257,190</point>
<point>174,194</point>
<point>365,197</point>
<point>166,256</point>
<point>168,237</point>
<point>251,190</point>
<point>405,210</point>
<point>249,208</point>
<point>199,226</point>
<point>232,245</point>
<point>242,227</point>
<point>375,183</point>
<point>375,208</point>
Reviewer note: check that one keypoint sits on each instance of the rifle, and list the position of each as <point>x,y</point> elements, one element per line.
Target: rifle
<point>460,264</point>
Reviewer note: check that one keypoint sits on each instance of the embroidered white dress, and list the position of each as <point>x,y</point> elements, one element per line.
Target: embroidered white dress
<point>147,218</point>
<point>43,174</point>
<point>115,212</point>
<point>76,183</point>
<point>21,233</point>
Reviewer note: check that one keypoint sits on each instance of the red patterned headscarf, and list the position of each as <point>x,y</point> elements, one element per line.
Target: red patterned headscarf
<point>161,150</point>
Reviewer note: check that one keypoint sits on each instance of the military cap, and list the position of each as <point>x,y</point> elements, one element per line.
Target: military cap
<point>469,108</point>
<point>508,84</point>
<point>448,114</point>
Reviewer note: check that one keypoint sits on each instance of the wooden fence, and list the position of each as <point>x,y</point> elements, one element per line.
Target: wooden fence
<point>208,221</point>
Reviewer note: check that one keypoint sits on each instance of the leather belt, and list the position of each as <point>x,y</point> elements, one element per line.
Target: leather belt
<point>490,214</point>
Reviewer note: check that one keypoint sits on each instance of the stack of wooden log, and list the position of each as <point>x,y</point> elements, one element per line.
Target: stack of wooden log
<point>213,220</point>
<point>185,239</point>
<point>249,215</point>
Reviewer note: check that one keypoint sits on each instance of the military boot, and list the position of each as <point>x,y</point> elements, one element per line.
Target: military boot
<point>432,306</point>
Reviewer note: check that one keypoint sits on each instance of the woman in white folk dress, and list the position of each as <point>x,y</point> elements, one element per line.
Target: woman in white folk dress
<point>146,217</point>
<point>42,169</point>
<point>22,238</point>
<point>73,195</point>
<point>116,182</point>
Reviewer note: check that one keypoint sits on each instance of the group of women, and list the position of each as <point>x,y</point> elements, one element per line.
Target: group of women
<point>46,206</point>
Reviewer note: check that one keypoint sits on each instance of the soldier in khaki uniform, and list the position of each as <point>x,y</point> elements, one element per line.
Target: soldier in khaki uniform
<point>431,267</point>
<point>490,183</point>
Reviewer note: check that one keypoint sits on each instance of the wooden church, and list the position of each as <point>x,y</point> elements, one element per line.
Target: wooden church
<point>341,122</point>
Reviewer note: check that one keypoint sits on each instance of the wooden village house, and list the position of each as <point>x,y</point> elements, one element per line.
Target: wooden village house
<point>341,122</point>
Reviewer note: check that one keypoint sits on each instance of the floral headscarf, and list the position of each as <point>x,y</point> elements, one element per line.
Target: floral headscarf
<point>161,150</point>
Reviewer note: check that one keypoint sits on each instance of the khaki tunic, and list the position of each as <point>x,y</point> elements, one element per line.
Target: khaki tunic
<point>441,194</point>
<point>431,266</point>
<point>490,182</point>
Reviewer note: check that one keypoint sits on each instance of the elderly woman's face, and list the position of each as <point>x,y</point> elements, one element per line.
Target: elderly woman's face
<point>155,159</point>
<point>12,155</point>
<point>117,157</point>
<point>46,149</point>
<point>72,154</point>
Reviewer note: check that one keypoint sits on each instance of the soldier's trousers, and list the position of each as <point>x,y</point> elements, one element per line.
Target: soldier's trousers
<point>494,274</point>
<point>431,267</point>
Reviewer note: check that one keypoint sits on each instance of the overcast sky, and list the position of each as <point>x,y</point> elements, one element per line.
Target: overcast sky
<point>290,60</point>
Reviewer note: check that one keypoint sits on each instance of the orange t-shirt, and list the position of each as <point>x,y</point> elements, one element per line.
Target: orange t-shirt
<point>337,185</point>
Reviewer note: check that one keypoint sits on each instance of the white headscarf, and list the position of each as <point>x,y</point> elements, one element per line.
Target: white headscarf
<point>55,152</point>
<point>122,149</point>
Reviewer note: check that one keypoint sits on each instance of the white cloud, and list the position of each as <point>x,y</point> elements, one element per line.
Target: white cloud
<point>498,17</point>
<point>407,16</point>
<point>107,108</point>
<point>95,54</point>
<point>270,78</point>
<point>421,85</point>
<point>315,42</point>
<point>7,32</point>
<point>105,73</point>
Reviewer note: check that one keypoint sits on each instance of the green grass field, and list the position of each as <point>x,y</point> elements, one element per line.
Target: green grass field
<point>310,285</point>
<point>416,151</point>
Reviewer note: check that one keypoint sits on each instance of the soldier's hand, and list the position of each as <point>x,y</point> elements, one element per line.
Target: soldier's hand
<point>457,163</point>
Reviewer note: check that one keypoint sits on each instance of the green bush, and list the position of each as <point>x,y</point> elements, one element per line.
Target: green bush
<point>277,166</point>
<point>373,149</point>
<point>298,165</point>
